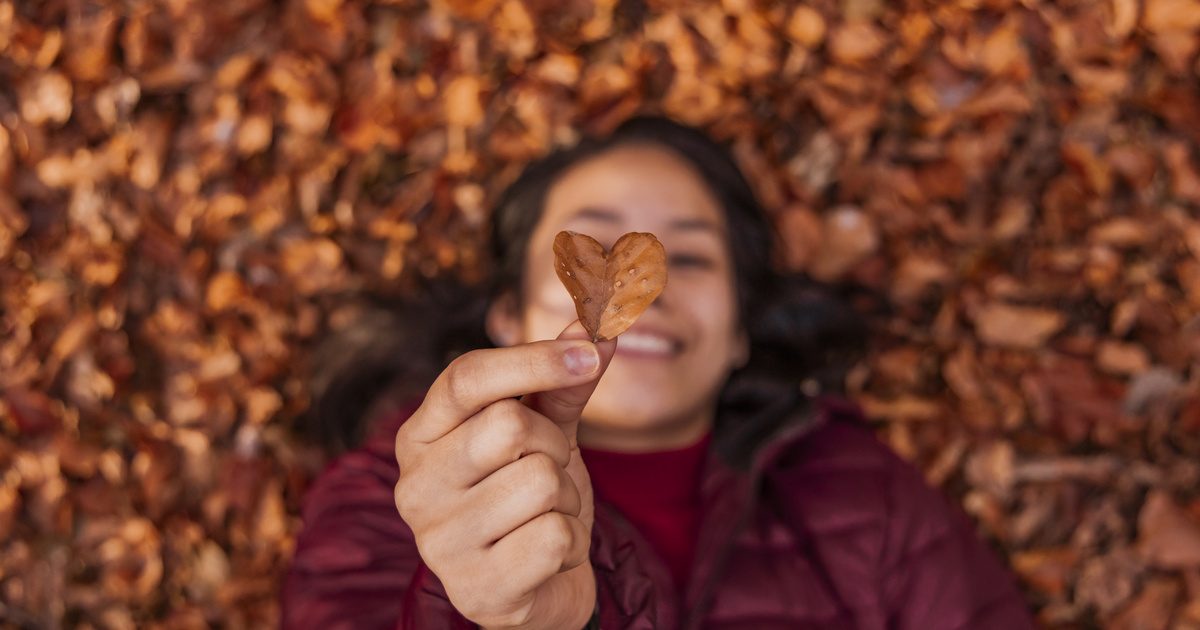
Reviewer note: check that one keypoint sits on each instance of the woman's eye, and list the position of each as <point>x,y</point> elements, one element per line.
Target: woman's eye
<point>688,260</point>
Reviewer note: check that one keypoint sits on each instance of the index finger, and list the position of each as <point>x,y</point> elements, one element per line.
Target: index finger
<point>482,377</point>
<point>564,406</point>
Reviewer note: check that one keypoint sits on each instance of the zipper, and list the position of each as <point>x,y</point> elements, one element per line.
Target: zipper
<point>695,616</point>
<point>625,527</point>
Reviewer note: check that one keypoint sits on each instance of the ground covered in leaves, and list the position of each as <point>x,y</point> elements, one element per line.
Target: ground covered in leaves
<point>191,193</point>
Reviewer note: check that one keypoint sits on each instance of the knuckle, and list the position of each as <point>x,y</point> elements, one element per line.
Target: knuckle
<point>502,435</point>
<point>543,480</point>
<point>405,500</point>
<point>545,464</point>
<point>459,379</point>
<point>405,451</point>
<point>412,498</point>
<point>511,426</point>
<point>561,449</point>
<point>558,535</point>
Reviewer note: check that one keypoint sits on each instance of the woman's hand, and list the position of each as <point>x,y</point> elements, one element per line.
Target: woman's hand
<point>494,488</point>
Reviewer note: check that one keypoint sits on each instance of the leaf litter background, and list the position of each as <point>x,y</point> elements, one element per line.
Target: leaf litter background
<point>192,193</point>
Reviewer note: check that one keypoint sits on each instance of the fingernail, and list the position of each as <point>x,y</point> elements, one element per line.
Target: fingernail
<point>582,359</point>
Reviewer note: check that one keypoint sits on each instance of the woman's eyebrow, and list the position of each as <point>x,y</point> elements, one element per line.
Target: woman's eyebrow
<point>681,225</point>
<point>606,215</point>
<point>599,214</point>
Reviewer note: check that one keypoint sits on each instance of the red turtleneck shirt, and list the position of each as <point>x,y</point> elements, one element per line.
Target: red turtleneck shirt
<point>659,492</point>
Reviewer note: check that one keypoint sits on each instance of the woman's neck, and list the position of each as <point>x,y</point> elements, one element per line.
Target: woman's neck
<point>660,437</point>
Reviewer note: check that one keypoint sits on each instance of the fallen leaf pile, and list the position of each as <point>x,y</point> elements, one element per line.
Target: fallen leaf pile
<point>610,288</point>
<point>193,193</point>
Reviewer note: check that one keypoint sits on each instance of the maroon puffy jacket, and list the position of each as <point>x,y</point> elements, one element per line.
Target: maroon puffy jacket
<point>829,529</point>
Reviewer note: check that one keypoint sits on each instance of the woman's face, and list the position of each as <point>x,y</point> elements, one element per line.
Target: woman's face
<point>661,388</point>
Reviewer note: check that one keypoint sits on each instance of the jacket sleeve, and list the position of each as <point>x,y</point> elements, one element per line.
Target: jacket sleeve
<point>356,563</point>
<point>936,573</point>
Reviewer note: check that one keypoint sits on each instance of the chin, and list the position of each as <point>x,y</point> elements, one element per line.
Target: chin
<point>624,413</point>
<point>632,392</point>
<point>632,413</point>
<point>635,396</point>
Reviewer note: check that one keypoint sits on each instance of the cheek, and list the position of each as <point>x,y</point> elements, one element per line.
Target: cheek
<point>712,303</point>
<point>548,309</point>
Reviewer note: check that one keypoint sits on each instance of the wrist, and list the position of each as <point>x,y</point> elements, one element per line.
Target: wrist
<point>568,600</point>
<point>577,598</point>
<point>587,597</point>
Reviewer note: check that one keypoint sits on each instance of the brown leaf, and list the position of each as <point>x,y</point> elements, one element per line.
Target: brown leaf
<point>261,403</point>
<point>1069,396</point>
<point>468,9</point>
<point>1136,164</point>
<point>610,288</point>
<point>849,236</point>
<point>559,68</point>
<point>1013,218</point>
<point>856,43</point>
<point>1016,326</point>
<point>1122,358</point>
<point>1121,232</point>
<point>693,99</point>
<point>800,228</point>
<point>991,468</point>
<point>46,98</point>
<point>1049,571</point>
<point>33,412</point>
<point>271,518</point>
<point>462,102</point>
<point>1151,609</point>
<point>916,275</point>
<point>1106,582</point>
<point>90,32</point>
<point>1171,15</point>
<point>1123,16</point>
<point>314,265</point>
<point>902,409</point>
<point>1168,537</point>
<point>806,27</point>
<point>1185,178</point>
<point>1003,51</point>
<point>1177,49</point>
<point>10,506</point>
<point>254,134</point>
<point>225,290</point>
<point>76,333</point>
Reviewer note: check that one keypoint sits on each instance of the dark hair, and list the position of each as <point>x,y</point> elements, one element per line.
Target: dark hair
<point>801,337</point>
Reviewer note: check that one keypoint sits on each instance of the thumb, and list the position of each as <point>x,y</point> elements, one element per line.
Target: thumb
<point>563,406</point>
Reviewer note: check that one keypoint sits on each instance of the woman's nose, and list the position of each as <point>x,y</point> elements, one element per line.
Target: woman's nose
<point>659,302</point>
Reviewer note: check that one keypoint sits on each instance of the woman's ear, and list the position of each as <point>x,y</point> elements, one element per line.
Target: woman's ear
<point>503,321</point>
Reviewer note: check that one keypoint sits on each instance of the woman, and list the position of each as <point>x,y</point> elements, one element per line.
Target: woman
<point>687,474</point>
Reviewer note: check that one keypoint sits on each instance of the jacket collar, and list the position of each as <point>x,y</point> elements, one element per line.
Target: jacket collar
<point>729,497</point>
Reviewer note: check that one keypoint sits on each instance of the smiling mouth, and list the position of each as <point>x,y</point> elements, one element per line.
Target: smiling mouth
<point>647,345</point>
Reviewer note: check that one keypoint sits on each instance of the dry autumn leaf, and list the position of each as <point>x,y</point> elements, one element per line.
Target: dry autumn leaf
<point>1016,326</point>
<point>610,288</point>
<point>1169,537</point>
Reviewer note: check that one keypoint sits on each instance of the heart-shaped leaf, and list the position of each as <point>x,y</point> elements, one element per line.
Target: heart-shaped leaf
<point>610,289</point>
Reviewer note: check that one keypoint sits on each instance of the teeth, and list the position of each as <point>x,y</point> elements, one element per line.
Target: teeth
<point>645,343</point>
